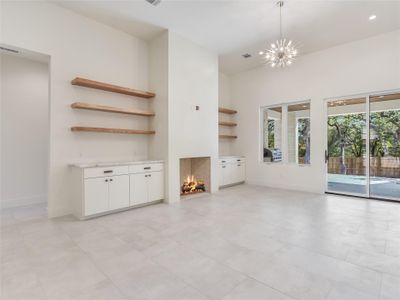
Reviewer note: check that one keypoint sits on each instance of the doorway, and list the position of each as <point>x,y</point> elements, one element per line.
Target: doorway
<point>363,146</point>
<point>25,127</point>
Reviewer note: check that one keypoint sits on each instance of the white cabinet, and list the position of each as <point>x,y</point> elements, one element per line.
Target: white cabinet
<point>231,171</point>
<point>146,187</point>
<point>105,193</point>
<point>139,194</point>
<point>96,196</point>
<point>237,172</point>
<point>99,190</point>
<point>156,186</point>
<point>222,174</point>
<point>241,172</point>
<point>118,192</point>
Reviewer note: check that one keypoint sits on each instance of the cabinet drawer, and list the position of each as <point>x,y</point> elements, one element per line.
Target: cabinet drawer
<point>105,171</point>
<point>232,160</point>
<point>145,168</point>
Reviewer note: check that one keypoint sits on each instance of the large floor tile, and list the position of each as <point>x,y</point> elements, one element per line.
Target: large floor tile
<point>356,276</point>
<point>104,290</point>
<point>212,278</point>
<point>286,278</point>
<point>150,281</point>
<point>244,242</point>
<point>252,289</point>
<point>379,262</point>
<point>68,275</point>
<point>343,292</point>
<point>21,285</point>
<point>390,289</point>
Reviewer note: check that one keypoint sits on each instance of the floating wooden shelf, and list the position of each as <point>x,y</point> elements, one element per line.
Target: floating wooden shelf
<point>111,88</point>
<point>230,124</point>
<point>227,136</point>
<point>111,130</point>
<point>226,111</point>
<point>88,106</point>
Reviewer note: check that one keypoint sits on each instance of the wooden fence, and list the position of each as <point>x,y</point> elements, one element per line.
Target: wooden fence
<point>379,166</point>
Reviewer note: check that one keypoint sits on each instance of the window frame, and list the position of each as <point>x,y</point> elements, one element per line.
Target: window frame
<point>284,133</point>
<point>261,122</point>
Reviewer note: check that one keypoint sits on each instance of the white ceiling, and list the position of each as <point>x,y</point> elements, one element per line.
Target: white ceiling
<point>234,27</point>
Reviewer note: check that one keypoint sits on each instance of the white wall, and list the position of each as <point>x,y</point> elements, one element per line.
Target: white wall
<point>79,46</point>
<point>224,90</point>
<point>24,130</point>
<point>224,100</point>
<point>183,75</point>
<point>158,82</point>
<point>363,66</point>
<point>193,80</point>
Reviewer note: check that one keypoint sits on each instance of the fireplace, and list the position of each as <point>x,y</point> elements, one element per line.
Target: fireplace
<point>194,175</point>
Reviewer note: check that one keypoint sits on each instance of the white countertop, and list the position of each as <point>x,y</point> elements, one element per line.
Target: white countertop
<point>118,163</point>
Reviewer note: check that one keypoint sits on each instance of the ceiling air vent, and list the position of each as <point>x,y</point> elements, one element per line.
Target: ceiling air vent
<point>246,55</point>
<point>9,49</point>
<point>154,2</point>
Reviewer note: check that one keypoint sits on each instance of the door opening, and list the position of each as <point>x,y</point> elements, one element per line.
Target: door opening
<point>24,128</point>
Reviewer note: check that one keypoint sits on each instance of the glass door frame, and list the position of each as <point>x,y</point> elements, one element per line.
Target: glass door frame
<point>367,97</point>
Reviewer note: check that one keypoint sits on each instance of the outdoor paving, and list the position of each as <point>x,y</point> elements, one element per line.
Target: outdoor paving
<point>381,187</point>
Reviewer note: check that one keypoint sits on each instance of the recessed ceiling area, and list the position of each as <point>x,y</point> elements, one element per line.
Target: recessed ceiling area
<point>232,28</point>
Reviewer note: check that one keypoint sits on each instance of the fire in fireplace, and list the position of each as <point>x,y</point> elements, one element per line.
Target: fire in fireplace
<point>192,185</point>
<point>194,175</point>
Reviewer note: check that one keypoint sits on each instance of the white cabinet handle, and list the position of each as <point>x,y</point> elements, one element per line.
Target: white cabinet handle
<point>108,171</point>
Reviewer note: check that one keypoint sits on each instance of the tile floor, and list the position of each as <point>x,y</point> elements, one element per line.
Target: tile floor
<point>245,242</point>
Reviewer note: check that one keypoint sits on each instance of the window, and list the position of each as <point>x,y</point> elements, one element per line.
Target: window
<point>286,133</point>
<point>298,128</point>
<point>272,134</point>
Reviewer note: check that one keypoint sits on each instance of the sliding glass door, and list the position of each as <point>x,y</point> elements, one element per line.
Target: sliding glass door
<point>363,146</point>
<point>384,146</point>
<point>346,147</point>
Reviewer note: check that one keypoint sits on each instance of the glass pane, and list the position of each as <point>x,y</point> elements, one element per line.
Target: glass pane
<point>299,133</point>
<point>385,146</point>
<point>272,134</point>
<point>346,146</point>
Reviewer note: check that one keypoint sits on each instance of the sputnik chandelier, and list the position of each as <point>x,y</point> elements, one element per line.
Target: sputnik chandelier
<point>282,52</point>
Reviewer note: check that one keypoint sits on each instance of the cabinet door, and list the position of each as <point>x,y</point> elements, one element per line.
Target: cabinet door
<point>222,175</point>
<point>230,174</point>
<point>240,172</point>
<point>156,186</point>
<point>96,196</point>
<point>138,189</point>
<point>118,187</point>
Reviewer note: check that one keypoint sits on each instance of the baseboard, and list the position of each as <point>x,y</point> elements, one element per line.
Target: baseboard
<point>118,210</point>
<point>23,201</point>
<point>230,185</point>
<point>292,187</point>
